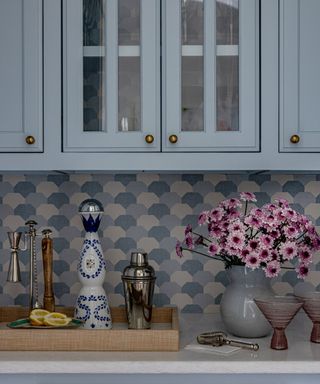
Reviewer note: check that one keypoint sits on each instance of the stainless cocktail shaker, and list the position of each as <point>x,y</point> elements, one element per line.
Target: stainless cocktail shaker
<point>138,282</point>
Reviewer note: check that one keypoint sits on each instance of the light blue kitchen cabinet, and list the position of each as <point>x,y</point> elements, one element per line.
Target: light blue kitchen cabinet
<point>299,76</point>
<point>210,75</point>
<point>111,73</point>
<point>208,58</point>
<point>21,94</point>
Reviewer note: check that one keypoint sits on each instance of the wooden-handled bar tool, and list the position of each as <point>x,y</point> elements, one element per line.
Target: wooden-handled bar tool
<point>47,256</point>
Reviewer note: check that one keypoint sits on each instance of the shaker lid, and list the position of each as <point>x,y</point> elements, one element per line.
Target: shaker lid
<point>139,267</point>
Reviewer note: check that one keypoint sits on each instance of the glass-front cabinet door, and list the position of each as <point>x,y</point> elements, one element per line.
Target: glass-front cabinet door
<point>211,75</point>
<point>111,75</point>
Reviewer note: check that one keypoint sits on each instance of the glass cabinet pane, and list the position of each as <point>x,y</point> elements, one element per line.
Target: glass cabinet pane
<point>129,66</point>
<point>93,65</point>
<point>227,65</point>
<point>192,67</point>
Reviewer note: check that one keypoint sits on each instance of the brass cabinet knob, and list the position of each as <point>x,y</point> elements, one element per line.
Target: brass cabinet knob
<point>149,139</point>
<point>30,140</point>
<point>173,139</point>
<point>295,139</point>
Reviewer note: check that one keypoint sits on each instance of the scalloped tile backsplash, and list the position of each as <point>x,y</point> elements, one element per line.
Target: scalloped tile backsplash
<point>142,211</point>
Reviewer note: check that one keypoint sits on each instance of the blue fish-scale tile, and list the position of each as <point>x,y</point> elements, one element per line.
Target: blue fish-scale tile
<point>293,187</point>
<point>125,244</point>
<point>159,233</point>
<point>159,255</point>
<point>226,187</point>
<point>60,244</point>
<point>58,199</point>
<point>192,289</point>
<point>158,210</point>
<point>136,187</point>
<point>161,299</point>
<point>262,198</point>
<point>119,288</point>
<point>58,179</point>
<point>191,308</point>
<point>170,221</point>
<point>60,289</point>
<point>170,199</point>
<point>192,199</point>
<point>125,199</point>
<point>69,187</point>
<point>24,188</point>
<point>192,179</point>
<point>22,299</point>
<point>125,221</point>
<point>297,207</point>
<point>192,266</point>
<point>271,187</point>
<point>125,179</point>
<point>136,210</point>
<point>222,278</point>
<point>190,219</point>
<point>121,265</point>
<point>58,222</point>
<point>36,199</point>
<point>60,266</point>
<point>162,277</point>
<point>204,277</point>
<point>159,188</point>
<point>26,211</point>
<point>91,188</point>
<point>5,188</point>
<point>217,300</point>
<point>203,187</point>
<point>260,178</point>
<point>203,300</point>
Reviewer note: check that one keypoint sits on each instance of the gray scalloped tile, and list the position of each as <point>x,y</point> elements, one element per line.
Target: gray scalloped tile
<point>24,188</point>
<point>58,222</point>
<point>162,277</point>
<point>293,187</point>
<point>125,244</point>
<point>125,199</point>
<point>136,187</point>
<point>192,266</point>
<point>158,210</point>
<point>58,179</point>
<point>192,289</point>
<point>125,178</point>
<point>260,178</point>
<point>125,221</point>
<point>159,233</point>
<point>26,211</point>
<point>161,299</point>
<point>192,178</point>
<point>91,188</point>
<point>159,188</point>
<point>159,255</point>
<point>226,187</point>
<point>192,199</point>
<point>58,199</point>
<point>191,308</point>
<point>60,288</point>
<point>60,266</point>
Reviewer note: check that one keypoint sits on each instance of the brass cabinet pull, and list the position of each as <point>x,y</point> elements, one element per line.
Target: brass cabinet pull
<point>295,139</point>
<point>149,139</point>
<point>173,139</point>
<point>30,140</point>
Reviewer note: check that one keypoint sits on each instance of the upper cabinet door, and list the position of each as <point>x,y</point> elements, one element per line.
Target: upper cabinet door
<point>299,75</point>
<point>211,75</point>
<point>21,94</point>
<point>111,75</point>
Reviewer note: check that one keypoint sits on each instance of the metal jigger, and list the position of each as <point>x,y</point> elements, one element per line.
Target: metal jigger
<point>14,267</point>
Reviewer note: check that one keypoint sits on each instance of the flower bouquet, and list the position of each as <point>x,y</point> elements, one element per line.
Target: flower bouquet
<point>267,237</point>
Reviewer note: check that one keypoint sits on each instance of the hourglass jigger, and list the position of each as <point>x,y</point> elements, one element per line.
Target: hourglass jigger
<point>14,268</point>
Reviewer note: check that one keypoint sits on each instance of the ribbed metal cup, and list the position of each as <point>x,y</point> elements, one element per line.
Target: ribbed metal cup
<point>138,282</point>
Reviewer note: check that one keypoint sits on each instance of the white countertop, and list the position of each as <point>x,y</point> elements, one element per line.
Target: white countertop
<point>302,357</point>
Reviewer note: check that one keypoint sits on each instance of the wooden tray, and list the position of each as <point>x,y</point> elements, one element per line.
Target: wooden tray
<point>163,335</point>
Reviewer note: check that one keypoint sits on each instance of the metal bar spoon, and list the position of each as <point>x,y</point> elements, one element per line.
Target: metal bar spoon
<point>217,339</point>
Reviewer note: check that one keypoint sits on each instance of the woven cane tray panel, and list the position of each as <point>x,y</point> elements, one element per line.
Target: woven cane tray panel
<point>163,335</point>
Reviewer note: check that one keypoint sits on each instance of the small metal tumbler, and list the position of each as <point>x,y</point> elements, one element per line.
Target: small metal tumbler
<point>138,282</point>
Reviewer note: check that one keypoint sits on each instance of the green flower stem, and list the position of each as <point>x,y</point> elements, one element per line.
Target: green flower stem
<point>201,253</point>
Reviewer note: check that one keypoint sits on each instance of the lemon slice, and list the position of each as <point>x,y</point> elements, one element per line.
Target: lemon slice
<point>55,315</point>
<point>56,322</point>
<point>37,315</point>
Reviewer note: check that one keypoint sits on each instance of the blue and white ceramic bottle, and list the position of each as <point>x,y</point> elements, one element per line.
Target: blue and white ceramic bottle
<point>92,303</point>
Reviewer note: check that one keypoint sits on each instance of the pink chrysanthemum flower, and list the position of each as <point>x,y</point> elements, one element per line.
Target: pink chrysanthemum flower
<point>302,271</point>
<point>253,261</point>
<point>288,250</point>
<point>213,249</point>
<point>236,239</point>
<point>215,230</point>
<point>189,241</point>
<point>216,214</point>
<point>203,217</point>
<point>291,232</point>
<point>237,226</point>
<point>179,249</point>
<point>282,202</point>
<point>188,229</point>
<point>305,256</point>
<point>253,245</point>
<point>245,253</point>
<point>230,203</point>
<point>248,196</point>
<point>272,269</point>
<point>253,221</point>
<point>264,254</point>
<point>266,240</point>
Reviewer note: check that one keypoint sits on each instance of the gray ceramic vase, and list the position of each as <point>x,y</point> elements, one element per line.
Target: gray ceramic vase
<point>239,313</point>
